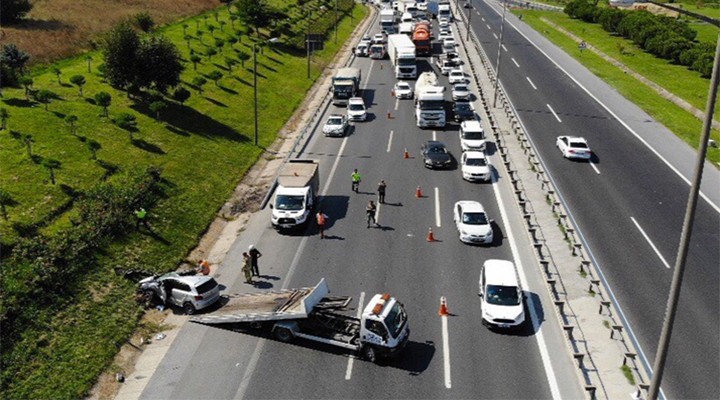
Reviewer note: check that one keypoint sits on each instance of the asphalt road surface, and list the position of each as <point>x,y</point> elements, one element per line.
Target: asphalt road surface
<point>627,202</point>
<point>395,258</point>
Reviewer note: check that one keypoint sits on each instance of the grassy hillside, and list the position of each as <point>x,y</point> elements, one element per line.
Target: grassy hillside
<point>203,147</point>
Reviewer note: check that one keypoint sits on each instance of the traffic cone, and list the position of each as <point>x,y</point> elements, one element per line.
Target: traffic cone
<point>443,312</point>
<point>431,237</point>
<point>406,154</point>
<point>393,93</point>
<point>389,115</point>
<point>418,192</point>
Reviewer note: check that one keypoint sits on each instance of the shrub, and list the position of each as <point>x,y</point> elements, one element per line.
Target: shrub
<point>125,121</point>
<point>144,21</point>
<point>609,18</point>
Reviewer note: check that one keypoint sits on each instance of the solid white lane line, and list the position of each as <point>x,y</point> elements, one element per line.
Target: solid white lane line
<point>389,141</point>
<point>553,113</point>
<point>531,82</point>
<point>592,164</point>
<point>488,26</point>
<point>496,36</point>
<point>334,167</point>
<point>504,48</point>
<point>348,371</point>
<point>537,327</point>
<point>515,62</point>
<point>651,243</point>
<point>446,351</point>
<point>437,207</point>
<point>434,135</point>
<point>482,18</point>
<point>397,103</point>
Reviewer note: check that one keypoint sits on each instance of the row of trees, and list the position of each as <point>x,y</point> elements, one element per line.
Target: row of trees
<point>662,36</point>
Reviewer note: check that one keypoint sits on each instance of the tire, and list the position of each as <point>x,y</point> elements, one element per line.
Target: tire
<point>370,354</point>
<point>148,296</point>
<point>283,334</point>
<point>189,308</point>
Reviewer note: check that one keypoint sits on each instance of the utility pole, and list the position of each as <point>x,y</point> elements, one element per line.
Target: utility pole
<point>467,37</point>
<point>307,43</point>
<point>497,62</point>
<point>676,284</point>
<point>255,90</point>
<point>336,33</point>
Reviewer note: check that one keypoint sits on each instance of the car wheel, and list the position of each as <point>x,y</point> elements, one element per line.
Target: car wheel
<point>148,296</point>
<point>283,334</point>
<point>370,354</point>
<point>189,308</point>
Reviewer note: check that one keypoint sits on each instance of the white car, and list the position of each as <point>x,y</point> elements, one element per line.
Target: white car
<point>362,49</point>
<point>472,223</point>
<point>475,166</point>
<point>448,45</point>
<point>461,91</point>
<point>443,22</point>
<point>501,296</point>
<point>457,75</point>
<point>403,90</point>
<point>445,34</point>
<point>356,109</point>
<point>472,136</point>
<point>573,147</point>
<point>336,125</point>
<point>379,38</point>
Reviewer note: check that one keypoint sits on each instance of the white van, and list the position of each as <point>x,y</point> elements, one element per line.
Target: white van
<point>406,17</point>
<point>501,297</point>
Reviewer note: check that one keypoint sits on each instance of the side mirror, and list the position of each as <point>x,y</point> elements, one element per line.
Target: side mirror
<point>491,220</point>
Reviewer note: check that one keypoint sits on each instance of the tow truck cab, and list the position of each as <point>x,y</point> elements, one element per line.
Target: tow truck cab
<point>384,327</point>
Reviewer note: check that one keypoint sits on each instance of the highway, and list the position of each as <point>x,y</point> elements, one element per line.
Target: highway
<point>466,360</point>
<point>628,201</point>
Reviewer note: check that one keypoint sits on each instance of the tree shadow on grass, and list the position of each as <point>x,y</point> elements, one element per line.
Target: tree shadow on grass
<point>190,121</point>
<point>267,67</point>
<point>227,90</point>
<point>243,81</point>
<point>216,102</point>
<point>258,74</point>
<point>149,147</point>
<point>58,114</point>
<point>176,130</point>
<point>19,102</point>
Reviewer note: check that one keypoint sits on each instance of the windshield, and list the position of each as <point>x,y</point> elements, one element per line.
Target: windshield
<point>356,107</point>
<point>473,135</point>
<point>474,218</point>
<point>431,104</point>
<point>463,107</point>
<point>406,61</point>
<point>461,88</point>
<point>436,150</point>
<point>502,295</point>
<point>335,121</point>
<point>343,92</point>
<point>403,87</point>
<point>290,203</point>
<point>476,162</point>
<point>396,319</point>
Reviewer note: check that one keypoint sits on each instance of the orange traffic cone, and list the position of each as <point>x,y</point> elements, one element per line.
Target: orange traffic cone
<point>418,192</point>
<point>406,154</point>
<point>443,312</point>
<point>431,237</point>
<point>393,93</point>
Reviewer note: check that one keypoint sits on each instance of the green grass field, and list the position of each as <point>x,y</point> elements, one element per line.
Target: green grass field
<point>684,83</point>
<point>204,148</point>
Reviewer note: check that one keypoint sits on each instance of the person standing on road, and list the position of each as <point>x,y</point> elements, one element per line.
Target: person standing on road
<point>381,192</point>
<point>356,178</point>
<point>371,209</point>
<point>321,219</point>
<point>254,255</point>
<point>247,268</point>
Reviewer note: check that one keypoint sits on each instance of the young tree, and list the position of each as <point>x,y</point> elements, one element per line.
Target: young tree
<point>4,116</point>
<point>27,83</point>
<point>215,76</point>
<point>185,27</point>
<point>51,165</point>
<point>93,146</point>
<point>210,52</point>
<point>5,201</point>
<point>233,18</point>
<point>103,99</point>
<point>232,40</point>
<point>127,122</point>
<point>89,62</point>
<point>144,21</point>
<point>57,73</point>
<point>13,10</point>
<point>211,29</point>
<point>222,25</point>
<point>120,52</point>
<point>255,13</point>
<point>243,56</point>
<point>72,120</point>
<point>220,44</point>
<point>195,59</point>
<point>187,38</point>
<point>14,58</point>
<point>159,64</point>
<point>229,61</point>
<point>200,34</point>
<point>157,107</point>
<point>199,82</point>
<point>180,95</point>
<point>28,141</point>
<point>79,81</point>
<point>44,96</point>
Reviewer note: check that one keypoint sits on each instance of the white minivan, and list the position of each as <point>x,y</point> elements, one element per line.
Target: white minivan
<point>501,297</point>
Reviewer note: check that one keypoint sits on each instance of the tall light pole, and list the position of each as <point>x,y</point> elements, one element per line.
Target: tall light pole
<point>467,37</point>
<point>336,34</point>
<point>255,90</point>
<point>675,286</point>
<point>497,62</point>
<point>307,42</point>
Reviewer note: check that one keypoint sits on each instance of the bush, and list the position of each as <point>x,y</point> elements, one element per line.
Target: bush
<point>609,18</point>
<point>144,21</point>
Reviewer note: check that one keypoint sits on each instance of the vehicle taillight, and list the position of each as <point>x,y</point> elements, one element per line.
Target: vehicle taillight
<point>198,297</point>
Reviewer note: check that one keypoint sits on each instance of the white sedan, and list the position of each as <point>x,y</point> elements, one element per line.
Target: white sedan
<point>461,91</point>
<point>475,166</point>
<point>457,75</point>
<point>472,223</point>
<point>573,147</point>
<point>403,90</point>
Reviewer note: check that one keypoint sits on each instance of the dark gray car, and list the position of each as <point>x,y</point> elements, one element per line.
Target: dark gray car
<point>436,155</point>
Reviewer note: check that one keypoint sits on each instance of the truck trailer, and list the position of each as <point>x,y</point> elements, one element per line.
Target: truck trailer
<point>429,101</point>
<point>310,313</point>
<point>345,84</point>
<point>402,55</point>
<point>296,194</point>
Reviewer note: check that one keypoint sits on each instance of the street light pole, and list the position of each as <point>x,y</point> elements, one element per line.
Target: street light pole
<point>675,286</point>
<point>497,62</point>
<point>336,33</point>
<point>255,90</point>
<point>307,43</point>
<point>467,37</point>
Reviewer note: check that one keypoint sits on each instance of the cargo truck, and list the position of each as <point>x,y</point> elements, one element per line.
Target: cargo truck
<point>309,313</point>
<point>402,55</point>
<point>387,21</point>
<point>429,101</point>
<point>345,84</point>
<point>422,38</point>
<point>296,194</point>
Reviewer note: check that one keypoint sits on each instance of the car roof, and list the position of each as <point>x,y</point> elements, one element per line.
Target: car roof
<point>457,71</point>
<point>500,272</point>
<point>435,143</point>
<point>470,206</point>
<point>471,125</point>
<point>192,280</point>
<point>356,100</point>
<point>475,154</point>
